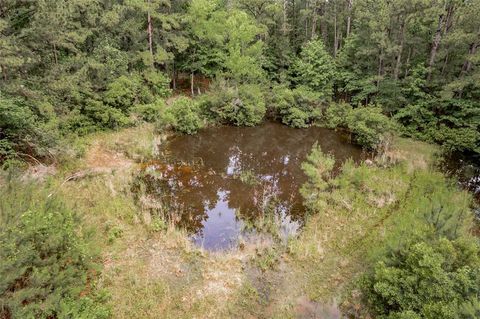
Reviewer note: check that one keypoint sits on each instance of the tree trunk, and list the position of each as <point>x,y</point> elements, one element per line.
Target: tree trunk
<point>467,65</point>
<point>150,30</point>
<point>335,35</point>
<point>191,84</point>
<point>4,72</point>
<point>174,80</point>
<point>435,44</point>
<point>323,24</point>
<point>400,50</point>
<point>380,67</point>
<point>445,62</point>
<point>313,34</point>
<point>284,24</point>
<point>407,63</point>
<point>444,25</point>
<point>349,16</point>
<point>55,57</point>
<point>306,20</point>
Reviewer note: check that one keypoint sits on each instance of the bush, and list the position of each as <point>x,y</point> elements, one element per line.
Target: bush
<point>46,265</point>
<point>336,115</point>
<point>158,83</point>
<point>182,116</point>
<point>123,93</point>
<point>244,106</point>
<point>150,112</point>
<point>438,280</point>
<point>369,126</point>
<point>452,123</point>
<point>211,105</point>
<point>318,168</point>
<point>94,116</point>
<point>297,108</point>
<point>247,108</point>
<point>457,139</point>
<point>23,132</point>
<point>128,91</point>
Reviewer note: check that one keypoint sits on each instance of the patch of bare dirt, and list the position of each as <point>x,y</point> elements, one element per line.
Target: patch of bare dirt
<point>100,158</point>
<point>39,172</point>
<point>306,308</point>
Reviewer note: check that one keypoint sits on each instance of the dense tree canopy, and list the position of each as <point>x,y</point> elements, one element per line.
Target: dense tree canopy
<point>85,65</point>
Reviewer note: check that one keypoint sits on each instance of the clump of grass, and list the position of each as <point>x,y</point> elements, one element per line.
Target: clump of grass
<point>247,302</point>
<point>267,259</point>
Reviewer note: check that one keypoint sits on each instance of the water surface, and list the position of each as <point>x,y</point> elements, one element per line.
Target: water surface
<point>227,183</point>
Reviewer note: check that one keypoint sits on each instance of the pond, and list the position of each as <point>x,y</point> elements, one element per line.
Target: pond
<point>466,170</point>
<point>227,184</point>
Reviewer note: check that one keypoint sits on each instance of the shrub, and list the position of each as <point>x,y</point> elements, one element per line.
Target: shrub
<point>452,123</point>
<point>46,265</point>
<point>369,126</point>
<point>128,91</point>
<point>94,116</point>
<point>211,104</point>
<point>457,139</point>
<point>158,83</point>
<point>244,106</point>
<point>437,280</point>
<point>298,107</point>
<point>336,115</point>
<point>150,112</point>
<point>318,168</point>
<point>22,132</point>
<point>182,116</point>
<point>123,93</point>
<point>247,108</point>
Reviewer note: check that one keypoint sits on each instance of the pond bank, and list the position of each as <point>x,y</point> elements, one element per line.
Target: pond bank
<point>152,268</point>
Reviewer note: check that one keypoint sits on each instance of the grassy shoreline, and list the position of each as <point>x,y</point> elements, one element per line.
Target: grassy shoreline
<point>147,271</point>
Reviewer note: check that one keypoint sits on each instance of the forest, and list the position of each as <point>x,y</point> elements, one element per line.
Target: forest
<point>89,88</point>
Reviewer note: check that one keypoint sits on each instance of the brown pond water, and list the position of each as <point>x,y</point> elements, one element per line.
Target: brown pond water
<point>227,184</point>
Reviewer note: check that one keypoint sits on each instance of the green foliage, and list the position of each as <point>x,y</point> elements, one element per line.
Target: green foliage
<point>247,108</point>
<point>315,69</point>
<point>47,268</point>
<point>243,48</point>
<point>242,106</point>
<point>318,168</point>
<point>158,83</point>
<point>336,115</point>
<point>150,112</point>
<point>411,231</point>
<point>452,123</point>
<point>182,115</point>
<point>123,92</point>
<point>129,90</point>
<point>369,126</point>
<point>437,280</point>
<point>298,107</point>
<point>22,131</point>
<point>223,42</point>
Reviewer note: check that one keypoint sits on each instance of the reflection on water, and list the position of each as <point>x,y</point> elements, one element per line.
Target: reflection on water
<point>222,181</point>
<point>466,170</point>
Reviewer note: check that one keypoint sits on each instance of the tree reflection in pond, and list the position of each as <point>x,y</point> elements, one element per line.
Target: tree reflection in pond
<point>215,183</point>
